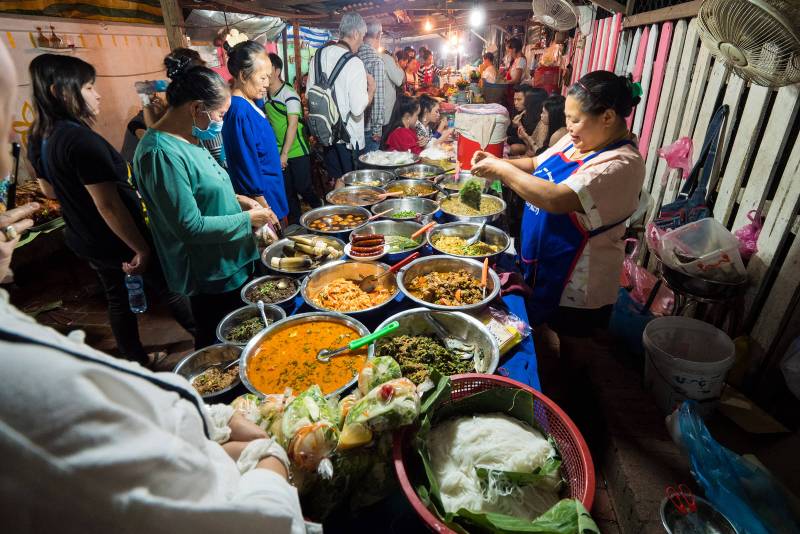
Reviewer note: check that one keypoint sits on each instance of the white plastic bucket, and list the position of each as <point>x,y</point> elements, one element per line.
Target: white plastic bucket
<point>685,359</point>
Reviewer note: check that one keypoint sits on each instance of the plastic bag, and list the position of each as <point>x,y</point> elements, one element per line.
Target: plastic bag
<point>678,155</point>
<point>628,321</point>
<point>747,495</point>
<point>790,367</point>
<point>641,282</point>
<point>748,235</point>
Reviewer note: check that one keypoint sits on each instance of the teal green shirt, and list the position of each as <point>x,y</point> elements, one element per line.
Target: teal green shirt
<point>202,237</point>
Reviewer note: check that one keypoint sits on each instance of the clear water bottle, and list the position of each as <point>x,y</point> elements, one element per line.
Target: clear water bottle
<point>137,300</point>
<point>151,87</point>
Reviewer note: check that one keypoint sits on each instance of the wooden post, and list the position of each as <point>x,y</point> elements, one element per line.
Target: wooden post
<point>285,55</point>
<point>174,23</point>
<point>298,68</point>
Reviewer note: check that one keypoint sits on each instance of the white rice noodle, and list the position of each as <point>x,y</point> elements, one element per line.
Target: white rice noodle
<point>493,441</point>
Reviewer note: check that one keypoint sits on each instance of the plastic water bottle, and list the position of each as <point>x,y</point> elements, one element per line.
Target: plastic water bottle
<point>137,300</point>
<point>151,87</point>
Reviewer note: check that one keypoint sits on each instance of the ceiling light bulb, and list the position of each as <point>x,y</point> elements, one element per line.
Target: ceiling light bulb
<point>428,25</point>
<point>477,17</point>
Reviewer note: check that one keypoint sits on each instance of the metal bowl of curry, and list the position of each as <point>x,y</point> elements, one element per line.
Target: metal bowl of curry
<point>448,283</point>
<point>284,355</point>
<point>334,287</point>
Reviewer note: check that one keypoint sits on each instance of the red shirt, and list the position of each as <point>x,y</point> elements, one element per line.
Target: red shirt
<point>402,140</point>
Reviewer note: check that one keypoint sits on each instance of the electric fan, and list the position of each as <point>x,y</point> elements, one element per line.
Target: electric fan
<point>758,39</point>
<point>557,14</point>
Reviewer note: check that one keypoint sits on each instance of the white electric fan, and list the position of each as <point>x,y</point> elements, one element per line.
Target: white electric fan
<point>758,39</point>
<point>557,14</point>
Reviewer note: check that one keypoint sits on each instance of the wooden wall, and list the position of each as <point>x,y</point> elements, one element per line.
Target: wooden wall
<point>683,86</point>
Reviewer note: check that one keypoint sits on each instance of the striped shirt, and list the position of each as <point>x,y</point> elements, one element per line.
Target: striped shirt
<point>374,66</point>
<point>427,73</point>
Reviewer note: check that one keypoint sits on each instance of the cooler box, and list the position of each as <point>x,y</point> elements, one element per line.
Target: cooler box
<point>480,127</point>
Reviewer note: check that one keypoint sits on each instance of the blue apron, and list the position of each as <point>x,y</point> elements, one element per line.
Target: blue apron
<point>550,244</point>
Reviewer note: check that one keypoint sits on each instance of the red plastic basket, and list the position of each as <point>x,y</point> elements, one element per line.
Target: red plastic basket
<point>576,463</point>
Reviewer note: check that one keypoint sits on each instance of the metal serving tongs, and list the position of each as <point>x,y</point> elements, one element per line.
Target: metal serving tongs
<point>325,355</point>
<point>465,350</point>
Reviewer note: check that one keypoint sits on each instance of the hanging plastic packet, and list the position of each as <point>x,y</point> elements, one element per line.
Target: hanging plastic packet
<point>678,155</point>
<point>748,235</point>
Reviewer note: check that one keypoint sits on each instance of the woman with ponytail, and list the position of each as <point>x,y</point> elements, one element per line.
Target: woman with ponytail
<point>251,146</point>
<point>201,228</point>
<point>103,216</point>
<point>581,192</point>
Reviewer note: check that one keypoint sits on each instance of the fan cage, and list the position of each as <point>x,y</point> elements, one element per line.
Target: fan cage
<point>757,39</point>
<point>557,14</point>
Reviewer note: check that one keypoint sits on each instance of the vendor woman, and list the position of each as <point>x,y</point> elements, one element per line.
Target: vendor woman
<point>583,189</point>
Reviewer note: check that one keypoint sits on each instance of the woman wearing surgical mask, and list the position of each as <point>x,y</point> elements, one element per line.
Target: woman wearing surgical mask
<point>103,216</point>
<point>201,227</point>
<point>251,146</point>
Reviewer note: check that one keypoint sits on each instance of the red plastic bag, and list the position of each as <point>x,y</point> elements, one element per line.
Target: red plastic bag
<point>748,235</point>
<point>640,282</point>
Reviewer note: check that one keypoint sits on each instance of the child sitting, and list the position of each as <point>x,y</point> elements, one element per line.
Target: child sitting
<point>400,135</point>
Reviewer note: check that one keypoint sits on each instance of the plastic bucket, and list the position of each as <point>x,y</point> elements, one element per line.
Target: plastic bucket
<point>686,359</point>
<point>467,148</point>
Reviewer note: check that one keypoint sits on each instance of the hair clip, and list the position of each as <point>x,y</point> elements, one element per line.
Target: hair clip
<point>636,89</point>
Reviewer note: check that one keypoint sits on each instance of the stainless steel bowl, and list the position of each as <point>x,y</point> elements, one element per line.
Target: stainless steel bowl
<point>413,158</point>
<point>195,363</point>
<point>707,517</point>
<point>274,313</point>
<point>491,236</point>
<point>354,191</point>
<point>354,270</point>
<point>426,208</point>
<point>328,211</point>
<point>269,278</point>
<point>445,264</point>
<point>275,250</point>
<point>460,325</point>
<point>452,217</point>
<point>251,348</point>
<point>370,177</point>
<point>390,227</point>
<point>411,172</point>
<point>453,182</point>
<point>411,183</point>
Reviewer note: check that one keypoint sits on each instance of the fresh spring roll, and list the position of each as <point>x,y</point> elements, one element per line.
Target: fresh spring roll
<point>271,409</point>
<point>377,371</point>
<point>346,403</point>
<point>310,430</point>
<point>388,406</point>
<point>248,405</point>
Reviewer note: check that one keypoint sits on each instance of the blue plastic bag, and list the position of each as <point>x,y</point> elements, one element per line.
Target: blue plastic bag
<point>628,321</point>
<point>747,495</point>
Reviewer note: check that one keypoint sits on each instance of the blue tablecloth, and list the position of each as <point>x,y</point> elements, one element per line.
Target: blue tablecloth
<point>519,364</point>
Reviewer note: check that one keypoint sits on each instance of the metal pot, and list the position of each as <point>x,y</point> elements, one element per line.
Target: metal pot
<point>405,184</point>
<point>275,250</point>
<point>274,313</point>
<point>430,264</point>
<point>368,177</point>
<point>328,211</point>
<point>489,217</point>
<point>460,325</point>
<point>352,194</point>
<point>268,278</point>
<point>420,171</point>
<point>251,348</point>
<point>195,363</point>
<point>491,236</point>
<point>425,207</point>
<point>354,270</point>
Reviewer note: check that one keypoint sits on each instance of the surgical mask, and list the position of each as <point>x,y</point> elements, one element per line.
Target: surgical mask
<point>210,133</point>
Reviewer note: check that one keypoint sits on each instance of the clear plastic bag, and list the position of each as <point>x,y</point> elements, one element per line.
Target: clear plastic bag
<point>746,494</point>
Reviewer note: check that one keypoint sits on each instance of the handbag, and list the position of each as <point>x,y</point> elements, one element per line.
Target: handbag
<point>691,203</point>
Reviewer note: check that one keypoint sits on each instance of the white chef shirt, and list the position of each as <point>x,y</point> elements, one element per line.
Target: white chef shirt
<point>90,443</point>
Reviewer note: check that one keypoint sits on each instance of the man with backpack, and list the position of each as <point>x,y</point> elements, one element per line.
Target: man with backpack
<point>285,113</point>
<point>339,92</point>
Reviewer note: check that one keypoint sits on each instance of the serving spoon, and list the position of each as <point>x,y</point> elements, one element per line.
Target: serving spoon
<point>475,238</point>
<point>369,283</point>
<point>325,355</point>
